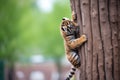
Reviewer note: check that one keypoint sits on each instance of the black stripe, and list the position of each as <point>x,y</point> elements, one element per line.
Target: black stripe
<point>67,78</point>
<point>72,73</point>
<point>78,62</point>
<point>77,65</point>
<point>62,29</point>
<point>74,69</point>
<point>70,76</point>
<point>75,55</point>
<point>73,58</point>
<point>68,29</point>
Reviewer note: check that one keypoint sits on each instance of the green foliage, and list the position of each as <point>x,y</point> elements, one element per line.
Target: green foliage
<point>23,28</point>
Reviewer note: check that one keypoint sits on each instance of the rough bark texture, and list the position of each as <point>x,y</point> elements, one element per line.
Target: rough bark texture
<point>118,16</point>
<point>100,21</point>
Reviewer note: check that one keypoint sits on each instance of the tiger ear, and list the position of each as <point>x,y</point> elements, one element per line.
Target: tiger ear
<point>63,18</point>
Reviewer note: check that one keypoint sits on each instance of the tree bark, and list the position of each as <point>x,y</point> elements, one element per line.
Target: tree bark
<point>100,55</point>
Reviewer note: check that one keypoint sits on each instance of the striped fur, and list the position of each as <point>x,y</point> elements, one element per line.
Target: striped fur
<point>69,30</point>
<point>72,72</point>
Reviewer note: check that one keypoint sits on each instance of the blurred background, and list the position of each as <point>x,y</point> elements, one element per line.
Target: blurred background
<point>31,47</point>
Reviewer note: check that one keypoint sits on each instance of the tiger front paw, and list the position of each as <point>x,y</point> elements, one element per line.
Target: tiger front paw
<point>84,38</point>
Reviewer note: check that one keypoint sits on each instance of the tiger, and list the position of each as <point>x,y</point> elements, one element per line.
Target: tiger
<point>69,30</point>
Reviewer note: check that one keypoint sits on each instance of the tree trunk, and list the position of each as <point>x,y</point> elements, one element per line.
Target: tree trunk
<point>100,55</point>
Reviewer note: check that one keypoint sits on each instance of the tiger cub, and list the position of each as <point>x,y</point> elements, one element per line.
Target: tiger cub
<point>69,29</point>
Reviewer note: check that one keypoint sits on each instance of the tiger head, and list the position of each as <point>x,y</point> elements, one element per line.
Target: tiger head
<point>67,27</point>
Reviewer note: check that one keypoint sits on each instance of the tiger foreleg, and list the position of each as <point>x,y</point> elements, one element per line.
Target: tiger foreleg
<point>77,42</point>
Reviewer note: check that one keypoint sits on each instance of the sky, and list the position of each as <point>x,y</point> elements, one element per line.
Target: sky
<point>45,5</point>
